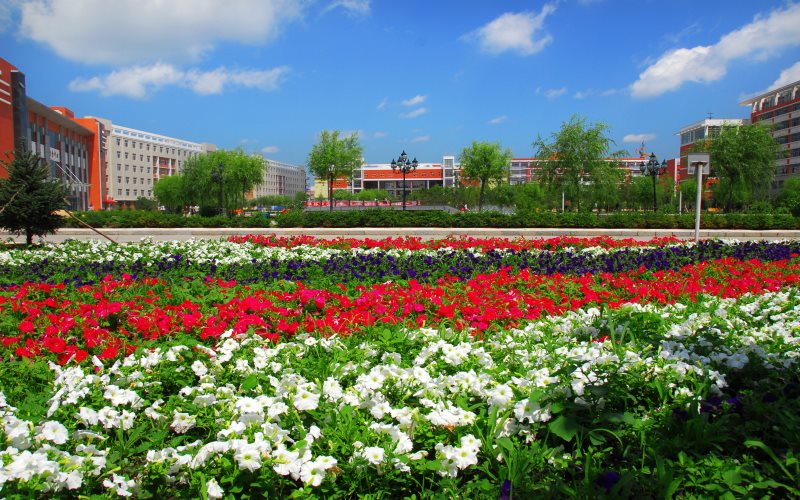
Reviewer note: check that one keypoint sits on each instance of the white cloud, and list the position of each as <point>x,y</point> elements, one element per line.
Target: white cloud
<point>638,138</point>
<point>140,82</point>
<point>787,76</point>
<point>143,31</point>
<point>583,94</point>
<point>704,64</point>
<point>413,114</point>
<point>8,9</point>
<point>515,32</point>
<point>270,149</point>
<point>421,138</point>
<point>382,104</point>
<point>379,135</point>
<point>552,93</point>
<point>498,120</point>
<point>354,8</point>
<point>417,99</point>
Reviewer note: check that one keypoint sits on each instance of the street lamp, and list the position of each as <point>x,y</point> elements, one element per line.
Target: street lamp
<point>216,176</point>
<point>331,176</point>
<point>405,167</point>
<point>653,169</point>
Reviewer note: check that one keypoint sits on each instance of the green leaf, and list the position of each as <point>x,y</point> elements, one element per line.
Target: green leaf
<point>506,444</point>
<point>564,427</point>
<point>732,477</point>
<point>250,383</point>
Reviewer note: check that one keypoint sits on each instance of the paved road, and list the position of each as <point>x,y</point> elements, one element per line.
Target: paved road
<point>128,235</point>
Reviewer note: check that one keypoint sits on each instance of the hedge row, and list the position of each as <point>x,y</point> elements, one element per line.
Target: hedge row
<point>143,218</point>
<point>392,218</point>
<point>388,218</point>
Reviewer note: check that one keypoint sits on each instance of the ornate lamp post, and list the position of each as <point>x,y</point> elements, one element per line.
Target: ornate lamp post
<point>405,167</point>
<point>331,177</point>
<point>653,169</point>
<point>216,176</point>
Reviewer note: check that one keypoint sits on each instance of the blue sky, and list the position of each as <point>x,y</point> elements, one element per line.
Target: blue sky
<point>425,76</point>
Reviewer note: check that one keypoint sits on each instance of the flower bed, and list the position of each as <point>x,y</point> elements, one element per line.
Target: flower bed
<point>671,370</point>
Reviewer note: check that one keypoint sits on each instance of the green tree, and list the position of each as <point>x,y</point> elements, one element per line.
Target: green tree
<point>29,198</point>
<point>743,159</point>
<point>688,190</point>
<point>171,192</point>
<point>332,158</point>
<point>143,203</point>
<point>484,162</point>
<point>239,173</point>
<point>575,157</point>
<point>789,196</point>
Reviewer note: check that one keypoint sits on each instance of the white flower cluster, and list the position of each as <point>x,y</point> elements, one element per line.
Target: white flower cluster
<point>308,408</point>
<point>223,252</point>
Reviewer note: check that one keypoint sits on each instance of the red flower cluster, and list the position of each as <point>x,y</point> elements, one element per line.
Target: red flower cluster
<point>463,243</point>
<point>114,317</point>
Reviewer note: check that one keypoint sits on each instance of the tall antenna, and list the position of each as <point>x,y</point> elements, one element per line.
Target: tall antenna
<point>710,114</point>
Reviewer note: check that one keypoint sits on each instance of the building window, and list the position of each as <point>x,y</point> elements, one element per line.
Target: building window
<point>127,192</point>
<point>135,192</point>
<point>119,155</point>
<point>127,180</point>
<point>126,143</point>
<point>126,155</point>
<point>117,141</point>
<point>119,192</point>
<point>119,179</point>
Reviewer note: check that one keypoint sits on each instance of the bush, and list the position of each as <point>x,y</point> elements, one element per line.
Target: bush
<point>377,217</point>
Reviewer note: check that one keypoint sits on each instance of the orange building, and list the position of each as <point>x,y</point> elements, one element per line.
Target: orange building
<point>68,146</point>
<point>13,119</point>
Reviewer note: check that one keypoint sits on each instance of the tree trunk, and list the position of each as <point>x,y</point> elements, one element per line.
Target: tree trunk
<point>28,236</point>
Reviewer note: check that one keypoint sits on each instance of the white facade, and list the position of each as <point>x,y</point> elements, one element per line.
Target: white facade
<point>706,129</point>
<point>135,160</point>
<point>282,179</point>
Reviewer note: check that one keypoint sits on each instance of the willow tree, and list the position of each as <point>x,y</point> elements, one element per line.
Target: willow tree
<point>226,174</point>
<point>743,161</point>
<point>332,158</point>
<point>575,157</point>
<point>484,162</point>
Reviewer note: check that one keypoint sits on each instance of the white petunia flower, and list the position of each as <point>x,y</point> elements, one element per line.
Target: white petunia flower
<point>213,489</point>
<point>374,454</point>
<point>55,432</point>
<point>182,422</point>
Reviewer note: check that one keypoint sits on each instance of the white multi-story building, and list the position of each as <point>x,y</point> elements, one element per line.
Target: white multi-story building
<point>780,108</point>
<point>281,178</point>
<point>135,160</point>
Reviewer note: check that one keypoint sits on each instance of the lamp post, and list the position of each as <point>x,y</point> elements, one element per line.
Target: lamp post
<point>653,169</point>
<point>331,177</point>
<point>216,176</point>
<point>405,166</point>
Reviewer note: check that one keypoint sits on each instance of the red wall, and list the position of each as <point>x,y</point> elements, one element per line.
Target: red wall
<point>6,115</point>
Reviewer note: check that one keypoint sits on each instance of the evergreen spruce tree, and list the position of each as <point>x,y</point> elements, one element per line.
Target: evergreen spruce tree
<point>28,198</point>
